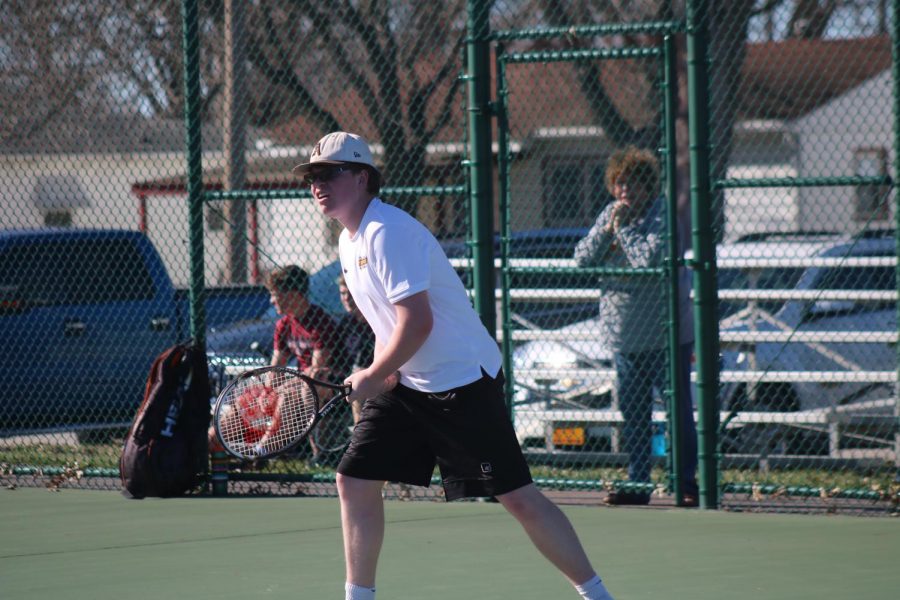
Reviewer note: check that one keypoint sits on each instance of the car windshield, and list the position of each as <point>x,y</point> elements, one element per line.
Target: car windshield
<point>764,279</point>
<point>858,278</point>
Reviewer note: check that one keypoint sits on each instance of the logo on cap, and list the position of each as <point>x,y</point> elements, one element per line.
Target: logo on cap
<point>317,150</point>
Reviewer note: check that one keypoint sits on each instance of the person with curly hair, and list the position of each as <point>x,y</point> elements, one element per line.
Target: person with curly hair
<point>631,233</point>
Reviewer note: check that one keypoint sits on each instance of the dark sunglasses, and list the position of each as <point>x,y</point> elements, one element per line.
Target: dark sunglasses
<point>325,174</point>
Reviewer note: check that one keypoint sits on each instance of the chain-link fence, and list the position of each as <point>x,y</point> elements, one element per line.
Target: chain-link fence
<point>806,246</point>
<point>623,184</point>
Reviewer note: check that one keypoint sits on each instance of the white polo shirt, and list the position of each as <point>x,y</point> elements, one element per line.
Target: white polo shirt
<point>393,256</point>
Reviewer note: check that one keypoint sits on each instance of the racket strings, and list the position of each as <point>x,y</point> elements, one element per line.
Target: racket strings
<point>267,413</point>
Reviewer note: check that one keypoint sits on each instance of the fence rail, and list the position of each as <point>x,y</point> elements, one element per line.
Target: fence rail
<point>566,265</point>
<point>731,337</point>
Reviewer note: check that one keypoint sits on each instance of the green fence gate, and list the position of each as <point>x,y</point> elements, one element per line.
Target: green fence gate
<point>565,403</point>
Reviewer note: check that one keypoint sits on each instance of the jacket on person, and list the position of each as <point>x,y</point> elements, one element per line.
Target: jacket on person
<point>633,308</point>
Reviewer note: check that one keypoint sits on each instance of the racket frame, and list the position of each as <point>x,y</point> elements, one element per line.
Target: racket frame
<point>342,390</point>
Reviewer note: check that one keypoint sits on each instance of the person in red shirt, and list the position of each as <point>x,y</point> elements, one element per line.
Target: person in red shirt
<point>305,331</point>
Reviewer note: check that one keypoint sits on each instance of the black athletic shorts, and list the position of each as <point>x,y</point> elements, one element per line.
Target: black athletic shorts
<point>466,431</point>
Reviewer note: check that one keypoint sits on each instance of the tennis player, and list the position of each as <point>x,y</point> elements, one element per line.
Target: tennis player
<point>448,408</point>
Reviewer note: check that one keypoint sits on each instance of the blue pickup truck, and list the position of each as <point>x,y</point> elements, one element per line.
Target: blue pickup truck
<point>83,313</point>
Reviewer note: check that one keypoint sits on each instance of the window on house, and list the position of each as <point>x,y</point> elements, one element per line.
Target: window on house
<point>573,192</point>
<point>598,195</point>
<point>57,196</point>
<point>871,200</point>
<point>215,216</point>
<point>59,217</point>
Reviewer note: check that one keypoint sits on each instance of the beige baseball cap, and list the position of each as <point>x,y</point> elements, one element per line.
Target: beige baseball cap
<point>338,148</point>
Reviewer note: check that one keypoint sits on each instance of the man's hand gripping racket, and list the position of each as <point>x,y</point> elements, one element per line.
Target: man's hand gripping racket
<point>268,411</point>
<point>271,410</point>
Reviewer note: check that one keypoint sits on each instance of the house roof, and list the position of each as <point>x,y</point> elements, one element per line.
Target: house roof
<point>787,79</point>
<point>780,80</point>
<point>74,132</point>
<point>544,95</point>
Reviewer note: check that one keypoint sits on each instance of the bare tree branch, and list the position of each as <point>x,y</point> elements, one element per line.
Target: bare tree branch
<point>768,6</point>
<point>286,77</point>
<point>603,108</point>
<point>350,70</point>
<point>445,112</point>
<point>810,18</point>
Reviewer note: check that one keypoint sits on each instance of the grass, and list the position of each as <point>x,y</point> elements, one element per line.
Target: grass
<point>106,456</point>
<point>97,456</point>
<point>783,477</point>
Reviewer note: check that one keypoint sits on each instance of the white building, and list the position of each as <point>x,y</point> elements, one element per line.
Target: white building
<point>852,134</point>
<point>127,172</point>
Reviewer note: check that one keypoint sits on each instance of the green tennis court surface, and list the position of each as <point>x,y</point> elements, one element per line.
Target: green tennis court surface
<point>95,545</point>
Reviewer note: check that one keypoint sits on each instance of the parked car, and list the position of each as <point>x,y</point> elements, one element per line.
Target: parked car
<point>550,243</point>
<point>83,313</point>
<point>570,375</point>
<point>579,349</point>
<point>857,320</point>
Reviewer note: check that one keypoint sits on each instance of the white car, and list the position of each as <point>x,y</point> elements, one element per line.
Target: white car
<point>574,373</point>
<point>808,326</point>
<point>817,342</point>
<point>837,316</point>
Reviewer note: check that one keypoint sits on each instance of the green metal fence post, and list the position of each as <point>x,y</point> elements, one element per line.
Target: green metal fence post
<point>896,185</point>
<point>480,164</point>
<point>191,48</point>
<point>706,326</point>
<point>503,194</point>
<point>674,326</point>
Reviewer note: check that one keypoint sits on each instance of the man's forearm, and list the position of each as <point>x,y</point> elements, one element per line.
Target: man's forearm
<point>402,346</point>
<point>279,358</point>
<point>414,323</point>
<point>320,359</point>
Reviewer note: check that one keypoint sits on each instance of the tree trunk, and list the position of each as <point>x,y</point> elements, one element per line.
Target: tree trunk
<point>729,22</point>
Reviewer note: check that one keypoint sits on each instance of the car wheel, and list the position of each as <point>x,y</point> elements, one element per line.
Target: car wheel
<point>777,438</point>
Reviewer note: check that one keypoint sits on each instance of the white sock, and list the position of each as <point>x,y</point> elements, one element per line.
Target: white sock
<point>358,592</point>
<point>593,589</point>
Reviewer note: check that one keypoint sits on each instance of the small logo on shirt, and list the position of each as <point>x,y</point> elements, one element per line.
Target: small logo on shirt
<point>362,262</point>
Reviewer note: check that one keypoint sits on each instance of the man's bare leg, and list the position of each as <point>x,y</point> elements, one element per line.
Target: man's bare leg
<point>362,520</point>
<point>553,535</point>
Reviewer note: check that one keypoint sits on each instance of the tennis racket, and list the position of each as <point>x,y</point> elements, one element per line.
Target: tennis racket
<point>271,410</point>
<point>332,435</point>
